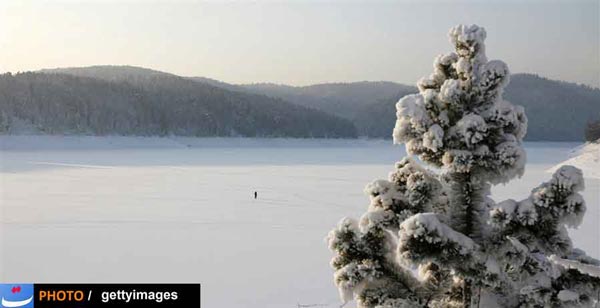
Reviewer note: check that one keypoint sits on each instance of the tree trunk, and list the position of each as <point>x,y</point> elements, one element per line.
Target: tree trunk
<point>467,293</point>
<point>466,203</point>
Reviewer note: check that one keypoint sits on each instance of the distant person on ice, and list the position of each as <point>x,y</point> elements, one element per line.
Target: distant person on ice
<point>255,195</point>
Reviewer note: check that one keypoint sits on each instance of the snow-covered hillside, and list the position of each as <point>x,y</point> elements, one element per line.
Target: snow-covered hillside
<point>586,158</point>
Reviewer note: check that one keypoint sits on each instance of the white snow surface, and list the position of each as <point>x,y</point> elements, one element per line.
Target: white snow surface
<point>132,209</point>
<point>587,158</point>
<point>568,296</point>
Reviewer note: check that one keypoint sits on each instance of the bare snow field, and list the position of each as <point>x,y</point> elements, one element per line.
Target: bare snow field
<point>126,209</point>
<point>585,157</point>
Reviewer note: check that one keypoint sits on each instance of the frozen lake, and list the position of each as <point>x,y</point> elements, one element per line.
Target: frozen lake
<point>86,209</point>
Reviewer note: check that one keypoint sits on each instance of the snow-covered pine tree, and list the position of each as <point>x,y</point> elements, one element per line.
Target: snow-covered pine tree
<point>433,237</point>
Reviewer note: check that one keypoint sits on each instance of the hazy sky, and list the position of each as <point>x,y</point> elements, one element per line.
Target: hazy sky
<point>297,42</point>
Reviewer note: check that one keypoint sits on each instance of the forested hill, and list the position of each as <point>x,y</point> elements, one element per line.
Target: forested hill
<point>116,73</point>
<point>343,99</point>
<point>152,103</point>
<point>170,104</point>
<point>557,110</point>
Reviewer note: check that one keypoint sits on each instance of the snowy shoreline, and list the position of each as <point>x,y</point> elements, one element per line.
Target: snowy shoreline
<point>75,142</point>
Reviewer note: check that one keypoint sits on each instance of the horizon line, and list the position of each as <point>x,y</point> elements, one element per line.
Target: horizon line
<point>40,70</point>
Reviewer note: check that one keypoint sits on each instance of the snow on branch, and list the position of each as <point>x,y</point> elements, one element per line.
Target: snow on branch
<point>587,269</point>
<point>424,238</point>
<point>458,120</point>
<point>444,223</point>
<point>559,197</point>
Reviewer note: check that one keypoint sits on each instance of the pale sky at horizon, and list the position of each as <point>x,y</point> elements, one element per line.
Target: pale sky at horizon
<point>298,43</point>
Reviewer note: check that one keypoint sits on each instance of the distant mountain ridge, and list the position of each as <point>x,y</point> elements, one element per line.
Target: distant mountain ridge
<point>557,110</point>
<point>131,101</point>
<point>343,99</point>
<point>114,73</point>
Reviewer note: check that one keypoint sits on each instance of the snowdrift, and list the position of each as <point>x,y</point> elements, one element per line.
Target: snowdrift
<point>586,158</point>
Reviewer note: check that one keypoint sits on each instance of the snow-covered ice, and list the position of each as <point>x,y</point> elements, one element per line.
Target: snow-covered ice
<point>124,209</point>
